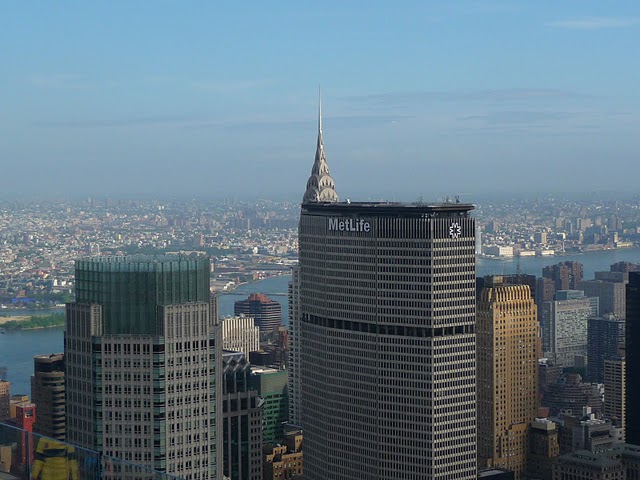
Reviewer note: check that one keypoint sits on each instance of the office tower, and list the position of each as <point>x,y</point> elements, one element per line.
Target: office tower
<point>566,275</point>
<point>240,334</point>
<point>543,449</point>
<point>5,400</point>
<point>386,336</point>
<point>285,461</point>
<point>507,336</point>
<point>271,385</point>
<point>295,404</point>
<point>604,336</point>
<point>611,295</point>
<point>142,346</point>
<point>595,434</point>
<point>632,342</point>
<point>615,391</point>
<point>619,463</point>
<point>266,312</point>
<point>624,267</point>
<point>242,420</point>
<point>564,326</point>
<point>47,393</point>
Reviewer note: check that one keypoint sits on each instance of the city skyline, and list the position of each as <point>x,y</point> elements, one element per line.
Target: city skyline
<point>97,92</point>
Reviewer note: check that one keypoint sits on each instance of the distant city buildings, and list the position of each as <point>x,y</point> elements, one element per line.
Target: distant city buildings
<point>565,275</point>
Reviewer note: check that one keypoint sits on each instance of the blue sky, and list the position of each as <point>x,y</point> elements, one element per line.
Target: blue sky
<point>420,98</point>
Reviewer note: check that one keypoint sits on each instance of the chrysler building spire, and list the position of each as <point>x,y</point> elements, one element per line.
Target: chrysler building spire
<point>320,186</point>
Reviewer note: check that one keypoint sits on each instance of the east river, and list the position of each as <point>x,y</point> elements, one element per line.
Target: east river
<point>18,348</point>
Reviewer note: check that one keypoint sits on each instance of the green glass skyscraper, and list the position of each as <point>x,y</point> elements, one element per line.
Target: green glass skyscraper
<point>141,346</point>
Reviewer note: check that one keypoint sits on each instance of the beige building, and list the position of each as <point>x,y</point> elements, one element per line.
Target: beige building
<point>240,334</point>
<point>285,461</point>
<point>506,328</point>
<point>615,394</point>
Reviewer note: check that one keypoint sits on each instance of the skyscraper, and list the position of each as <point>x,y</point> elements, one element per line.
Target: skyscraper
<point>242,420</point>
<point>386,326</point>
<point>615,395</point>
<point>632,340</point>
<point>507,337</point>
<point>47,393</point>
<point>141,350</point>
<point>267,313</point>
<point>605,335</point>
<point>566,275</point>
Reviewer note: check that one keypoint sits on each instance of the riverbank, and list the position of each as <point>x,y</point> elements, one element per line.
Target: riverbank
<point>26,322</point>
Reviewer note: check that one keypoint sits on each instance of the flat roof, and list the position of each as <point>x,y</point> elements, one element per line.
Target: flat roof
<point>387,208</point>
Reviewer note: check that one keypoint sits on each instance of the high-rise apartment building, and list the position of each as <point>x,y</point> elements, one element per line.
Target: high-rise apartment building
<point>5,400</point>
<point>615,395</point>
<point>267,313</point>
<point>632,351</point>
<point>566,275</point>
<point>240,334</point>
<point>507,337</point>
<point>242,420</point>
<point>295,402</point>
<point>605,335</point>
<point>564,325</point>
<point>142,347</point>
<point>611,295</point>
<point>48,393</point>
<point>387,338</point>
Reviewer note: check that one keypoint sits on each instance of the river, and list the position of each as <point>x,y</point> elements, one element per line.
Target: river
<point>17,349</point>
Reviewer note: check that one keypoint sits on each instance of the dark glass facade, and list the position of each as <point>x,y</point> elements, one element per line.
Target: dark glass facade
<point>633,359</point>
<point>130,289</point>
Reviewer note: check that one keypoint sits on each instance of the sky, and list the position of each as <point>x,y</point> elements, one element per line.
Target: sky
<point>420,98</point>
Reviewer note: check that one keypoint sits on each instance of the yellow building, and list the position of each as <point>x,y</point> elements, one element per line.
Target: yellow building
<point>507,373</point>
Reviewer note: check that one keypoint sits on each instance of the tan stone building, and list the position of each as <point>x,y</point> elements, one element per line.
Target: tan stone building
<point>507,328</point>
<point>615,394</point>
<point>284,461</point>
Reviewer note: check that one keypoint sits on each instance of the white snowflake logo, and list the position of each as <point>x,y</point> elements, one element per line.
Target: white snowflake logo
<point>455,230</point>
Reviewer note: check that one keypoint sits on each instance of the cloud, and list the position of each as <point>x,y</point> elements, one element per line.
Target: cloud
<point>58,81</point>
<point>595,23</point>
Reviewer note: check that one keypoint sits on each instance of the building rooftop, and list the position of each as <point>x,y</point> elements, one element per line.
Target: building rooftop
<point>389,208</point>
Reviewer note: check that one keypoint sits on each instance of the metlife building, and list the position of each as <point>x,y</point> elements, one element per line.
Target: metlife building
<point>382,341</point>
<point>387,342</point>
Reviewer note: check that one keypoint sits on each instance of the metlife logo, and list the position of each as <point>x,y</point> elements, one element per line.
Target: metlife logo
<point>349,225</point>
